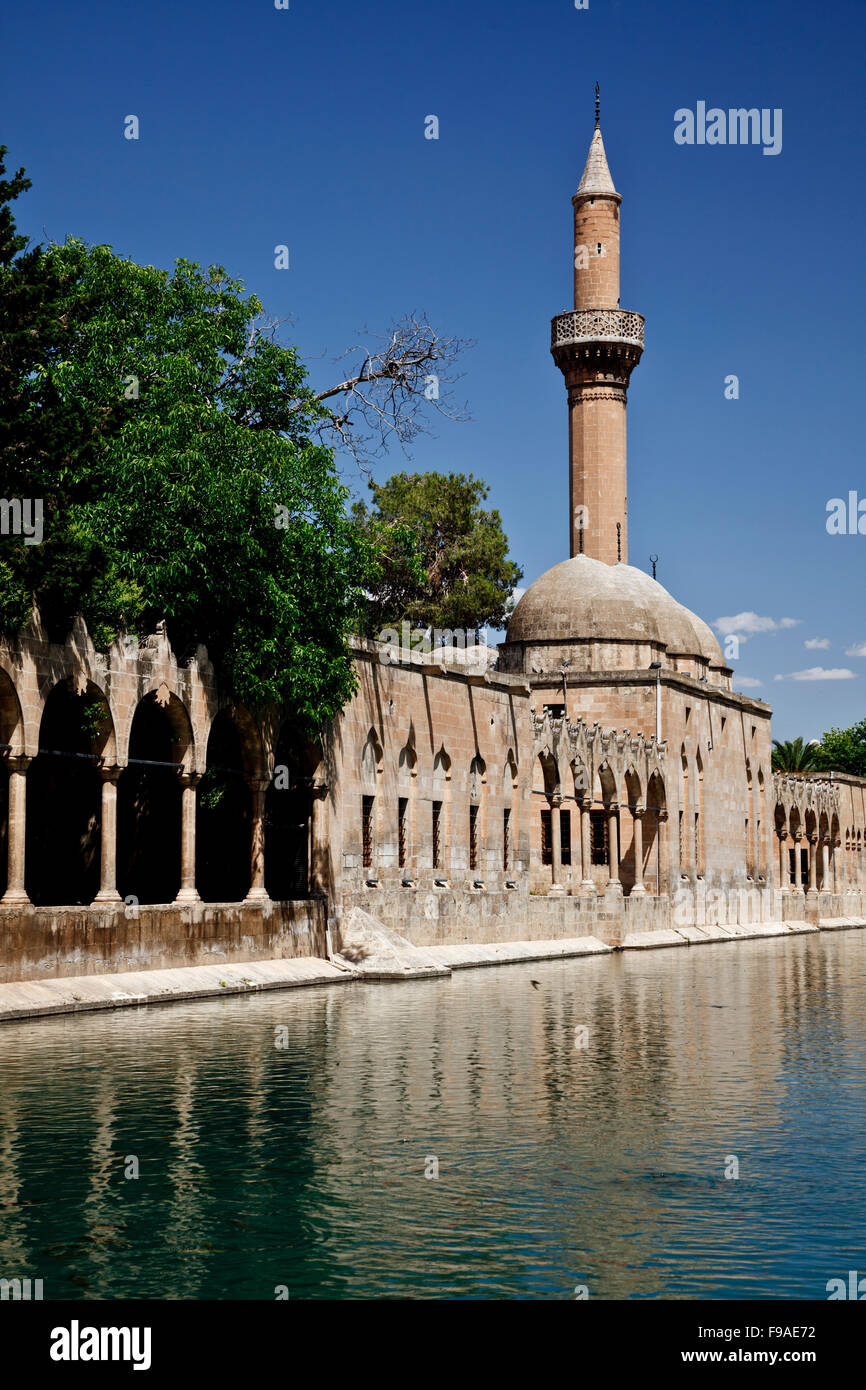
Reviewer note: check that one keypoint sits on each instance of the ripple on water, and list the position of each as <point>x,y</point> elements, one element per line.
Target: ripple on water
<point>315,1166</point>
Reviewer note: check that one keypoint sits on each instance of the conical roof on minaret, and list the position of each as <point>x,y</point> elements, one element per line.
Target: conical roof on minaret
<point>596,175</point>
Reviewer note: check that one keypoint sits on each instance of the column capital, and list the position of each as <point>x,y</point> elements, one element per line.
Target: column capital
<point>111,773</point>
<point>17,762</point>
<point>187,778</point>
<point>638,811</point>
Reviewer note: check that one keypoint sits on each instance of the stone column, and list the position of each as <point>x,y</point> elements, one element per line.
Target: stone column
<point>783,868</point>
<point>586,884</point>
<point>638,891</point>
<point>838,872</point>
<point>798,868</point>
<point>613,883</point>
<point>15,890</point>
<point>663,867</point>
<point>108,837</point>
<point>188,893</point>
<point>813,863</point>
<point>825,864</point>
<point>556,888</point>
<point>257,893</point>
<point>319,857</point>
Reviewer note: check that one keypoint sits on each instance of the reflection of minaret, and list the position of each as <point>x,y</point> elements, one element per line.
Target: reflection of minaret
<point>596,347</point>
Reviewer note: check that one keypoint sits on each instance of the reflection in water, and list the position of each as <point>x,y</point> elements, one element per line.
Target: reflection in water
<point>559,1165</point>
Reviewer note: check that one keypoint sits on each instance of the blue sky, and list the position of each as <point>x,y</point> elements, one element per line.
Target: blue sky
<point>305,127</point>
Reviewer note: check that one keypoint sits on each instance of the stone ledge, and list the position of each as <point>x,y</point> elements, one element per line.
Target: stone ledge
<point>840,923</point>
<point>78,994</point>
<point>466,955</point>
<point>650,940</point>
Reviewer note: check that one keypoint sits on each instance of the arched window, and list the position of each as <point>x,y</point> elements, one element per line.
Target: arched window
<point>477,772</point>
<point>406,784</point>
<point>371,772</point>
<point>685,837</point>
<point>509,800</point>
<point>440,809</point>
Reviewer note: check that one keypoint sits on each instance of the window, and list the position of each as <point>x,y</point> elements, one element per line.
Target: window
<point>437,834</point>
<point>506,838</point>
<point>598,836</point>
<point>473,837</point>
<point>367,830</point>
<point>565,836</point>
<point>402,805</point>
<point>546,842</point>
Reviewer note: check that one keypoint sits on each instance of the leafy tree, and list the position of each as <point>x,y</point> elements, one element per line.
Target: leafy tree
<point>442,557</point>
<point>844,750</point>
<point>169,436</point>
<point>795,757</point>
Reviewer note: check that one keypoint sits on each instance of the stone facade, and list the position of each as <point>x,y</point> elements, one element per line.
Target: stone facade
<point>598,778</point>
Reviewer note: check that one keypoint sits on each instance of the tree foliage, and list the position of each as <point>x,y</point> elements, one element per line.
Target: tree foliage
<point>795,756</point>
<point>844,750</point>
<point>442,557</point>
<point>170,437</point>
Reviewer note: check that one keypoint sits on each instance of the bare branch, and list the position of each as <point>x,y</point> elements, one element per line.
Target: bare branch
<point>387,396</point>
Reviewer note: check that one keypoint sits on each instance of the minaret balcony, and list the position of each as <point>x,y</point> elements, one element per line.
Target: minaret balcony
<point>580,326</point>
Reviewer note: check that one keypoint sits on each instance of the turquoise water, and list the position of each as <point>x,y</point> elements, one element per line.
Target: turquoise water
<point>559,1166</point>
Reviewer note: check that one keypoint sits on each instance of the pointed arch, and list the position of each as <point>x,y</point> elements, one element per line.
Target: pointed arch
<point>64,794</point>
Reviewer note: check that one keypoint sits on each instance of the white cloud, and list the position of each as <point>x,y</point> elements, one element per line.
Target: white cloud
<point>817,644</point>
<point>819,673</point>
<point>747,682</point>
<point>748,624</point>
<point>518,595</point>
<point>859,649</point>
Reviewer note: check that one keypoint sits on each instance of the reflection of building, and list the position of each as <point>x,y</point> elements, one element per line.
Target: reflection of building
<point>603,772</point>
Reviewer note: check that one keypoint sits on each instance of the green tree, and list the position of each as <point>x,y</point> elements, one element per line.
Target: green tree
<point>172,440</point>
<point>442,557</point>
<point>844,750</point>
<point>795,757</point>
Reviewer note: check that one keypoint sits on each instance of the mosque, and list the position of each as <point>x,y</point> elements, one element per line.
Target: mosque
<point>599,778</point>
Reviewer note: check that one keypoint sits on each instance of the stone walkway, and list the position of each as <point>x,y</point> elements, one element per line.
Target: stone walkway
<point>34,998</point>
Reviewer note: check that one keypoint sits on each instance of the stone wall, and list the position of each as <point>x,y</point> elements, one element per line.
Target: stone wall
<point>49,942</point>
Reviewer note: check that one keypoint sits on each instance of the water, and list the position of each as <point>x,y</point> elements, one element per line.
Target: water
<point>559,1166</point>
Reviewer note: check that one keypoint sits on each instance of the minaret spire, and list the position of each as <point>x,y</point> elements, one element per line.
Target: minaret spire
<point>596,347</point>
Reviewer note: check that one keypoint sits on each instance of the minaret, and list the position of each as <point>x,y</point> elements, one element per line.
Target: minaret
<point>596,347</point>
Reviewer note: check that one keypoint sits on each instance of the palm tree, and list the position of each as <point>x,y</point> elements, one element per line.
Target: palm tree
<point>796,756</point>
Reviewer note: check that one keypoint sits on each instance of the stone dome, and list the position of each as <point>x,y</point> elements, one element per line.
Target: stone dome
<point>585,600</point>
